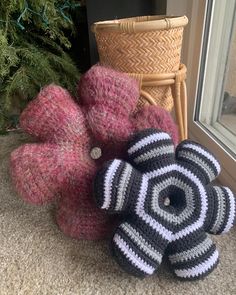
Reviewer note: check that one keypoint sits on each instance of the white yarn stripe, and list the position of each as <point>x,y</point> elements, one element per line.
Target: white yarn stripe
<point>108,183</point>
<point>147,140</point>
<point>132,256</point>
<point>160,171</point>
<point>122,186</point>
<point>221,211</point>
<point>165,233</point>
<point>200,268</point>
<point>199,161</point>
<point>231,212</point>
<point>193,252</point>
<point>199,223</point>
<point>204,153</point>
<point>204,205</point>
<point>141,242</point>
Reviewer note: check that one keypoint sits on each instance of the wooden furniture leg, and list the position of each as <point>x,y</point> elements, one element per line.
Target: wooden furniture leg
<point>178,110</point>
<point>183,97</point>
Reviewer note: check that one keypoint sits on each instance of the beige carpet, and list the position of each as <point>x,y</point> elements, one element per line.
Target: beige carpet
<point>36,258</point>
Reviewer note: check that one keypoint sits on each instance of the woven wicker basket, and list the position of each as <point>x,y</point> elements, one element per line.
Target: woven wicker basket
<point>147,48</point>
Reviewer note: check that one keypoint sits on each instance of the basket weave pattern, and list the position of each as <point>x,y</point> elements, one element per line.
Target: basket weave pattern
<point>143,53</point>
<point>147,52</point>
<point>148,48</point>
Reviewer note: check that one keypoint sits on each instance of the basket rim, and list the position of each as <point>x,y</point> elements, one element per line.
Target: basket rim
<point>141,23</point>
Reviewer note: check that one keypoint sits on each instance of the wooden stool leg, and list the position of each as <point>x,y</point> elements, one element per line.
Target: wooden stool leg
<point>178,110</point>
<point>183,95</point>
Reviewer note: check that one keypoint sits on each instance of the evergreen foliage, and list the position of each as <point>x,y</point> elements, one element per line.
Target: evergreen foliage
<point>33,51</point>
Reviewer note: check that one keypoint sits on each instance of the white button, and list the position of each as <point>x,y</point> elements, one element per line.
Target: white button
<point>96,153</point>
<point>167,201</point>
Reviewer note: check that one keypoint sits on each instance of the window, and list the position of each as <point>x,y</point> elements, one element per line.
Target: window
<point>209,53</point>
<point>216,100</point>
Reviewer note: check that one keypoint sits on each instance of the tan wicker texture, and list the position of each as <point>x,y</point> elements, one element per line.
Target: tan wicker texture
<point>149,49</point>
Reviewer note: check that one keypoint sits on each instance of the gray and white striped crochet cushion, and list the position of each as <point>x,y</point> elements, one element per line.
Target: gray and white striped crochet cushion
<point>169,205</point>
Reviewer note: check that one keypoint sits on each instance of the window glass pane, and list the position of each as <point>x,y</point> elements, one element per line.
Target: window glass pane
<point>216,103</point>
<point>227,111</point>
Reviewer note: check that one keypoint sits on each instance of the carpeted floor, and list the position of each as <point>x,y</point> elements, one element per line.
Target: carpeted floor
<point>36,258</point>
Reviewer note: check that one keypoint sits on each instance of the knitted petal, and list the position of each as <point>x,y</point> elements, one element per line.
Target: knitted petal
<point>135,250</point>
<point>101,85</point>
<point>116,186</point>
<point>221,215</point>
<point>155,117</point>
<point>109,97</point>
<point>54,116</point>
<point>77,215</point>
<point>35,170</point>
<point>151,149</point>
<point>109,124</point>
<point>194,256</point>
<point>199,159</point>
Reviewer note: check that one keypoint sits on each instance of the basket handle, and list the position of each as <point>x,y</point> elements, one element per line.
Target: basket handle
<point>140,24</point>
<point>133,27</point>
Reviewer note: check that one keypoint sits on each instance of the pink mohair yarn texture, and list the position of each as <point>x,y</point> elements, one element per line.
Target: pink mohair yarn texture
<point>59,165</point>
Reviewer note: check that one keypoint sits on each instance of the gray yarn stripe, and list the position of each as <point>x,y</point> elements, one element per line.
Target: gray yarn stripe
<point>205,153</point>
<point>122,187</point>
<point>193,252</point>
<point>199,161</point>
<point>140,241</point>
<point>170,218</point>
<point>148,140</point>
<point>221,210</point>
<point>131,255</point>
<point>156,152</point>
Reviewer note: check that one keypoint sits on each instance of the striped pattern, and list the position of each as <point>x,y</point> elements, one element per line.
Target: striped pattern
<point>168,216</point>
<point>147,140</point>
<point>140,254</point>
<point>200,158</point>
<point>139,243</point>
<point>200,269</point>
<point>131,256</point>
<point>194,256</point>
<point>154,153</point>
<point>123,187</point>
<point>148,149</point>
<point>222,207</point>
<point>192,253</point>
<point>114,186</point>
<point>108,180</point>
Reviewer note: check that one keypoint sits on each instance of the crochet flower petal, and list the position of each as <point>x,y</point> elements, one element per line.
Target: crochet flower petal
<point>36,171</point>
<point>194,256</point>
<point>167,204</point>
<point>135,251</point>
<point>100,85</point>
<point>155,117</point>
<point>151,149</point>
<point>116,186</point>
<point>198,158</point>
<point>53,116</point>
<point>221,215</point>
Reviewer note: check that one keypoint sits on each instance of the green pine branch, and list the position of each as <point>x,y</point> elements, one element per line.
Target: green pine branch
<point>33,51</point>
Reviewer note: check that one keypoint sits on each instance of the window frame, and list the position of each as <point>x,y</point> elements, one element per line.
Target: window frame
<point>197,12</point>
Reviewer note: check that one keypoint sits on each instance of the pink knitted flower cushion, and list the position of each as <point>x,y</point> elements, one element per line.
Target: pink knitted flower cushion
<point>60,165</point>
